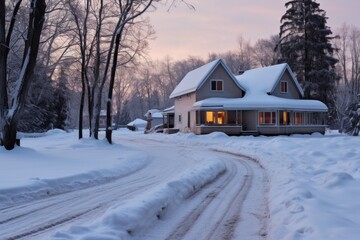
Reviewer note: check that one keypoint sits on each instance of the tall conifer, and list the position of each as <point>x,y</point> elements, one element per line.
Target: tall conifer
<point>305,44</point>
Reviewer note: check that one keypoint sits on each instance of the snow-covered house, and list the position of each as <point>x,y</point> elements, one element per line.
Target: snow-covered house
<point>265,100</point>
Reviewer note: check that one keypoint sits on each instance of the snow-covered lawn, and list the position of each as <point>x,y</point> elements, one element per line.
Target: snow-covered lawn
<point>314,179</point>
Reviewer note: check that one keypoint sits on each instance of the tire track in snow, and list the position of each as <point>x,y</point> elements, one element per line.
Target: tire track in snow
<point>38,219</point>
<point>226,223</point>
<point>44,207</point>
<point>191,218</point>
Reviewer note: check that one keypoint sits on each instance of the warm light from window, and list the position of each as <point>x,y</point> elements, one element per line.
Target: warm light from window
<point>285,119</point>
<point>261,119</point>
<point>267,117</point>
<point>210,117</point>
<point>220,119</point>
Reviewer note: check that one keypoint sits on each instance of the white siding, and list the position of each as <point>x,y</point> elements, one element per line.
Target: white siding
<point>183,105</point>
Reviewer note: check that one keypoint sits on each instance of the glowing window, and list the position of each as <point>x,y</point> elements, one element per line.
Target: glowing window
<point>216,118</point>
<point>284,118</point>
<point>210,117</point>
<point>220,118</point>
<point>267,117</point>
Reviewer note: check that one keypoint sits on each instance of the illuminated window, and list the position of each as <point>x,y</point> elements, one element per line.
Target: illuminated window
<point>210,117</point>
<point>299,119</point>
<point>284,118</point>
<point>220,118</point>
<point>267,117</point>
<point>283,87</point>
<point>216,118</point>
<point>216,85</point>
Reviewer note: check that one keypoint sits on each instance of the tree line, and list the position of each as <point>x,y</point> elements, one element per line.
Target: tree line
<point>62,62</point>
<point>93,37</point>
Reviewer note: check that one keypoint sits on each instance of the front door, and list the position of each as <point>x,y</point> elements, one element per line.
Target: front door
<point>249,121</point>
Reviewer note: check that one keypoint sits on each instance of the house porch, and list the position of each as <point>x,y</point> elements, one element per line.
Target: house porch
<point>258,122</point>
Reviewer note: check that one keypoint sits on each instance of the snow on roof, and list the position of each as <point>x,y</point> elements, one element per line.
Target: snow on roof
<point>263,80</point>
<point>194,79</point>
<point>137,122</point>
<point>263,102</point>
<point>169,110</point>
<point>155,113</point>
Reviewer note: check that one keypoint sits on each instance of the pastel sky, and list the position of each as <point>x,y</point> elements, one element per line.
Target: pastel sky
<point>216,25</point>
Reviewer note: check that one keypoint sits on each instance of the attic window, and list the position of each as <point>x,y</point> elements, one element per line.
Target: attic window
<point>283,87</point>
<point>216,85</point>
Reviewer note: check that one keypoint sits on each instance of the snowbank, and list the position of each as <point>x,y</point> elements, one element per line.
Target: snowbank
<point>61,163</point>
<point>122,221</point>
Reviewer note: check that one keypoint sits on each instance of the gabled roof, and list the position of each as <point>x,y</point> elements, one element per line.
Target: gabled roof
<point>196,78</point>
<point>258,83</point>
<point>264,80</point>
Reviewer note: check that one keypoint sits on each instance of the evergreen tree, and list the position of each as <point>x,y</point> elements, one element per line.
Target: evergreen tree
<point>61,104</point>
<point>352,120</point>
<point>305,44</point>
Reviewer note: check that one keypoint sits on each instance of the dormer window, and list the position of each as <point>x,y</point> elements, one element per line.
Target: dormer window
<point>283,87</point>
<point>216,85</point>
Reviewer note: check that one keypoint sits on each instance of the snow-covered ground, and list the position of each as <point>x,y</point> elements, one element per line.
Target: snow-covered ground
<point>313,179</point>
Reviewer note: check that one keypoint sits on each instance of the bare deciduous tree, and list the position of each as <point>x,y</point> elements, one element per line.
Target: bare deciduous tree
<point>10,110</point>
<point>348,45</point>
<point>264,53</point>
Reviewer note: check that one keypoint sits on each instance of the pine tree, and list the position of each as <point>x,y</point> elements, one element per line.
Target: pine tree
<point>305,44</point>
<point>352,120</point>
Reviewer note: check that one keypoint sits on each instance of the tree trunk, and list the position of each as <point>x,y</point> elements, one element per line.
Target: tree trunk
<point>96,110</point>
<point>111,87</point>
<point>81,113</point>
<point>108,122</point>
<point>9,135</point>
<point>36,20</point>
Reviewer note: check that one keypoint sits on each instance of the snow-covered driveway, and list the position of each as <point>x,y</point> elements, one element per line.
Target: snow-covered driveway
<point>232,207</point>
<point>168,198</point>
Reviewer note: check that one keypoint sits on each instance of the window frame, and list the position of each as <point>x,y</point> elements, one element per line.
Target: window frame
<point>284,115</point>
<point>299,116</point>
<point>262,117</point>
<point>284,87</point>
<point>216,85</point>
